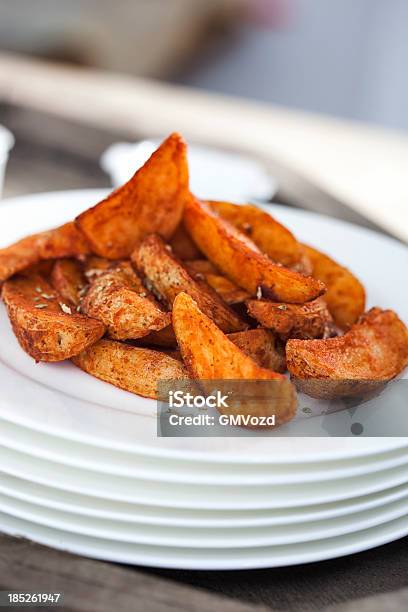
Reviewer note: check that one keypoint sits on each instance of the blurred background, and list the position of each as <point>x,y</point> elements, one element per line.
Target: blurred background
<point>316,90</point>
<point>344,57</point>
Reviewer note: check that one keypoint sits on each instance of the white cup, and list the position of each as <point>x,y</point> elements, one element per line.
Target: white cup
<point>6,144</point>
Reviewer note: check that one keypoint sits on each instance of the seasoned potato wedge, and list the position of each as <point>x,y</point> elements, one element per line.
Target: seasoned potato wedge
<point>270,236</point>
<point>345,294</point>
<point>118,299</point>
<point>262,346</point>
<point>95,266</point>
<point>201,265</point>
<point>151,201</point>
<point>182,245</point>
<point>259,344</point>
<point>210,355</point>
<point>239,259</point>
<point>374,351</point>
<point>306,321</point>
<point>46,327</point>
<point>204,270</point>
<point>164,338</point>
<point>68,280</point>
<point>230,293</point>
<point>64,241</point>
<point>168,277</point>
<point>131,368</point>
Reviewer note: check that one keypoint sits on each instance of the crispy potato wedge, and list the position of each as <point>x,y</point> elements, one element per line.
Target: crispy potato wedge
<point>151,201</point>
<point>95,266</point>
<point>262,346</point>
<point>270,236</point>
<point>168,278</point>
<point>164,338</point>
<point>127,309</point>
<point>68,279</point>
<point>131,368</point>
<point>182,245</point>
<point>43,324</point>
<point>210,355</point>
<point>202,266</point>
<point>64,241</point>
<point>345,294</point>
<point>374,351</point>
<point>259,344</point>
<point>306,321</point>
<point>230,293</point>
<point>239,259</point>
<point>42,268</point>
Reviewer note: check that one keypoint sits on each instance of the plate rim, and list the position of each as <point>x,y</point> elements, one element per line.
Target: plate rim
<point>393,531</point>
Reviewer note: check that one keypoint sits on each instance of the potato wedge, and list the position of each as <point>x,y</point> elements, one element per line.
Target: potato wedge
<point>202,266</point>
<point>210,355</point>
<point>127,309</point>
<point>168,277</point>
<point>64,241</point>
<point>230,293</point>
<point>242,262</point>
<point>259,344</point>
<point>95,266</point>
<point>372,352</point>
<point>151,201</point>
<point>345,294</point>
<point>182,245</point>
<point>68,279</point>
<point>270,236</point>
<point>164,338</point>
<point>46,327</point>
<point>262,346</point>
<point>306,321</point>
<point>131,368</point>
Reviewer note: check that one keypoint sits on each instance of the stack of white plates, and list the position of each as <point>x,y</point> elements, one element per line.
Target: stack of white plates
<point>82,468</point>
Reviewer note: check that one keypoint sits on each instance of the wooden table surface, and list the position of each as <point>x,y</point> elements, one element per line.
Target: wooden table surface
<point>50,154</point>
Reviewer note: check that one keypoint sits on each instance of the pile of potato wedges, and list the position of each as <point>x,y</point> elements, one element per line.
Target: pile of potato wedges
<point>153,284</point>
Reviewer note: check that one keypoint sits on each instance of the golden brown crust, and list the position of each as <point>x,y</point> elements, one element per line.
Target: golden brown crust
<point>95,266</point>
<point>64,241</point>
<point>46,327</point>
<point>202,269</point>
<point>270,236</point>
<point>375,350</point>
<point>182,245</point>
<point>118,298</point>
<point>68,279</point>
<point>168,278</point>
<point>242,262</point>
<point>262,346</point>
<point>151,201</point>
<point>131,368</point>
<point>305,321</point>
<point>210,355</point>
<point>345,294</point>
<point>164,338</point>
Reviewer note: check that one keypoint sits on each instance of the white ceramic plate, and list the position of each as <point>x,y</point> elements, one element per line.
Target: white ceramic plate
<point>106,461</point>
<point>85,505</point>
<point>59,393</point>
<point>175,495</point>
<point>191,537</point>
<point>207,559</point>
